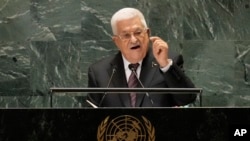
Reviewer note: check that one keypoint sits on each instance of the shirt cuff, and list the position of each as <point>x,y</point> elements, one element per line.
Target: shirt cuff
<point>165,69</point>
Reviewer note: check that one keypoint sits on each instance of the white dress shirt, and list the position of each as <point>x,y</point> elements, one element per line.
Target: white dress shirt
<point>138,71</point>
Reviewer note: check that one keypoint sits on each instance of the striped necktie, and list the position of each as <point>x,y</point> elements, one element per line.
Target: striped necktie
<point>133,82</point>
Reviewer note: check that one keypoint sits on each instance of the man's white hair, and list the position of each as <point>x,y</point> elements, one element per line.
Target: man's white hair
<point>126,13</point>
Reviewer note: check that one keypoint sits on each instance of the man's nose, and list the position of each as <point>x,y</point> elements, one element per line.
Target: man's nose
<point>133,39</point>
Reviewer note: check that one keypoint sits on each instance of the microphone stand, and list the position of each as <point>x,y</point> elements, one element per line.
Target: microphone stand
<point>109,82</point>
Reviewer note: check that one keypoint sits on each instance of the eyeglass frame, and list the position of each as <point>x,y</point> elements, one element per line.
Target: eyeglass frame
<point>130,35</point>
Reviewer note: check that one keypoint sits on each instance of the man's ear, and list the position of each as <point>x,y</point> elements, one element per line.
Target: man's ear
<point>149,32</point>
<point>115,40</point>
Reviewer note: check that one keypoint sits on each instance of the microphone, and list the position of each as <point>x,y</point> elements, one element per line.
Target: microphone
<point>130,66</point>
<point>92,104</point>
<point>109,82</point>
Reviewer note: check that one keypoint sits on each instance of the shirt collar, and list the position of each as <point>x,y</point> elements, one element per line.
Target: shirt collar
<point>126,63</point>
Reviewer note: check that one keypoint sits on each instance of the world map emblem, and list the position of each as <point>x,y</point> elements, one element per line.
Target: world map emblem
<point>126,128</point>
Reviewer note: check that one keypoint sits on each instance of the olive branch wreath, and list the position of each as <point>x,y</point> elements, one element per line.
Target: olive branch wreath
<point>150,129</point>
<point>101,129</point>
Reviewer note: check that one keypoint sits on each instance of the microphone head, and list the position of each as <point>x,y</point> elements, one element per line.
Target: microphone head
<point>130,67</point>
<point>133,67</point>
<point>114,68</point>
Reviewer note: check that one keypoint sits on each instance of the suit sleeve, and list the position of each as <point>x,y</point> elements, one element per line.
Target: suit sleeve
<point>176,78</point>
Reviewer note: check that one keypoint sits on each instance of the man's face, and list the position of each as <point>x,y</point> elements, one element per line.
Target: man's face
<point>132,39</point>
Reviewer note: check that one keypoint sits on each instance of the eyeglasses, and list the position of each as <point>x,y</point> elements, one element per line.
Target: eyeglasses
<point>136,34</point>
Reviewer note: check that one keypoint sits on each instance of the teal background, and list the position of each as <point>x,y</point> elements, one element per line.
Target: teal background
<point>51,43</point>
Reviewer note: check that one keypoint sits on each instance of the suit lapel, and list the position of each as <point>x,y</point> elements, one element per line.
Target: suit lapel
<point>119,78</point>
<point>148,70</point>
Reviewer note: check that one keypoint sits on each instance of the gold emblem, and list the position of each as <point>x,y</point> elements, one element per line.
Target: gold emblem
<point>125,128</point>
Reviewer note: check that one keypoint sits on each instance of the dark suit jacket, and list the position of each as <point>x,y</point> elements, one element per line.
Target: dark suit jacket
<point>151,76</point>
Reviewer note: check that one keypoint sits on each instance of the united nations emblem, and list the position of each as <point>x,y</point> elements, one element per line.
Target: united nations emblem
<point>125,128</point>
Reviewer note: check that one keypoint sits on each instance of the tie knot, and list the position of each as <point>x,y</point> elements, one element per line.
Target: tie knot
<point>133,67</point>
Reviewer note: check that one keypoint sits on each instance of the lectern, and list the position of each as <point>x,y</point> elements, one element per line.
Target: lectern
<point>124,124</point>
<point>197,91</point>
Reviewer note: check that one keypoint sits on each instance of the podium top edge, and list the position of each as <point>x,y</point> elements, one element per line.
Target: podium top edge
<point>123,90</point>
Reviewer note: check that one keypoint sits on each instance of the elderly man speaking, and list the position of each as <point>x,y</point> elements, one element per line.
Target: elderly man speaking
<point>142,61</point>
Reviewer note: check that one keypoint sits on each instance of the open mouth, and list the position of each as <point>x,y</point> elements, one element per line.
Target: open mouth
<point>135,47</point>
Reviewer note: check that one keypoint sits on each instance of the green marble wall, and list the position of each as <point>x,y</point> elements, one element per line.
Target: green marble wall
<point>51,43</point>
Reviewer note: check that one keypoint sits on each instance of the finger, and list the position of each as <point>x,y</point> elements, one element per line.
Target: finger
<point>154,38</point>
<point>160,43</point>
<point>157,49</point>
